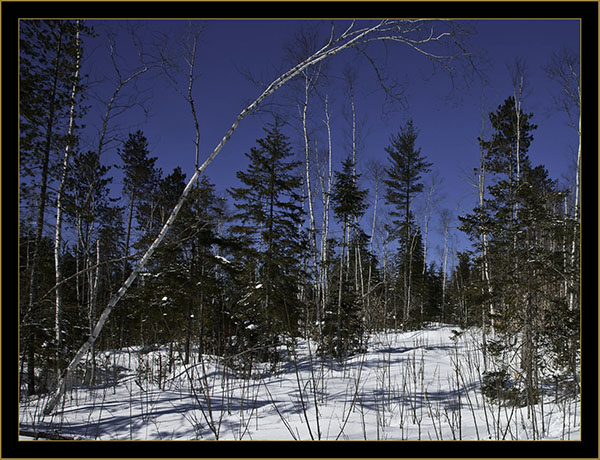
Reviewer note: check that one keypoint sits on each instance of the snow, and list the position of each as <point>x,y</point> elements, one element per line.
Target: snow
<point>411,385</point>
<point>222,259</point>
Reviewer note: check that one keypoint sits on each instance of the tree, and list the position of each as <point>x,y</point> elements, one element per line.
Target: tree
<point>525,258</point>
<point>139,176</point>
<point>462,292</point>
<point>507,159</point>
<point>348,206</point>
<point>403,184</point>
<point>270,218</point>
<point>564,70</point>
<point>89,206</point>
<point>445,220</point>
<point>48,57</point>
<point>74,112</point>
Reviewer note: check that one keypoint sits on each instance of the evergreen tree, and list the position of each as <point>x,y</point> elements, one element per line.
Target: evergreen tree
<point>90,210</point>
<point>403,183</point>
<point>462,292</point>
<point>528,252</point>
<point>432,294</point>
<point>48,57</point>
<point>410,279</point>
<point>348,206</point>
<point>269,222</point>
<point>140,177</point>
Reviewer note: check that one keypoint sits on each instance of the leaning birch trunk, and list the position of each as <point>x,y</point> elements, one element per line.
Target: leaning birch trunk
<point>59,204</point>
<point>347,39</point>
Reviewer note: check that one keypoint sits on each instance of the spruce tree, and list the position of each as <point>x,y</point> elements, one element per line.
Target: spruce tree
<point>140,177</point>
<point>348,206</point>
<point>528,252</point>
<point>403,183</point>
<point>269,222</point>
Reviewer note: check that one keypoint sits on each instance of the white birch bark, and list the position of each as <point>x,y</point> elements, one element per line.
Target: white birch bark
<point>564,70</point>
<point>576,211</point>
<point>485,272</point>
<point>59,204</point>
<point>446,225</point>
<point>312,226</point>
<point>326,194</point>
<point>372,237</point>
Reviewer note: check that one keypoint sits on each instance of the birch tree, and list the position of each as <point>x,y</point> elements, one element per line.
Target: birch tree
<point>75,88</point>
<point>445,220</point>
<point>377,173</point>
<point>48,60</point>
<point>326,181</point>
<point>564,70</point>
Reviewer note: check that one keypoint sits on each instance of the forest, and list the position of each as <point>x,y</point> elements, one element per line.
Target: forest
<point>319,265</point>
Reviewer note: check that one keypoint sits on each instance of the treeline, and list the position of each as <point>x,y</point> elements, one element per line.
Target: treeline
<point>241,275</point>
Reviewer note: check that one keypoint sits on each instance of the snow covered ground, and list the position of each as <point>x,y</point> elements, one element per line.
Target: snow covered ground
<point>420,385</point>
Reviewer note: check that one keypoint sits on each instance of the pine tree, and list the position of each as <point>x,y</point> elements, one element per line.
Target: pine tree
<point>403,184</point>
<point>507,159</point>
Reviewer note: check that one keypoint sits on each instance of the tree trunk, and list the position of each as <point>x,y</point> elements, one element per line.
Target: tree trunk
<point>128,233</point>
<point>375,202</point>
<point>41,212</point>
<point>312,228</point>
<point>326,193</point>
<point>576,215</point>
<point>59,204</point>
<point>341,281</point>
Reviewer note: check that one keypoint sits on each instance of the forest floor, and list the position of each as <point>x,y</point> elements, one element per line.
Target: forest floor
<point>419,385</point>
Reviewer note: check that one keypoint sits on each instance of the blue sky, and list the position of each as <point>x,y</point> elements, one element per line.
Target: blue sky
<point>449,123</point>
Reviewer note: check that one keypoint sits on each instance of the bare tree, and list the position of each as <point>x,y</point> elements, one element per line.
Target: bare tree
<point>326,180</point>
<point>59,201</point>
<point>416,34</point>
<point>445,220</point>
<point>376,172</point>
<point>564,70</point>
<point>431,203</point>
<point>170,67</point>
